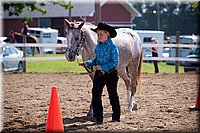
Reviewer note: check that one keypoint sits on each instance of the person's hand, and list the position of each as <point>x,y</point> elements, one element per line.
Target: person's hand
<point>82,64</point>
<point>98,67</point>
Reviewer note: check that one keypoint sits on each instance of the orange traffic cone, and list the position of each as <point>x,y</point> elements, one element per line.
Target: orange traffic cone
<point>54,120</point>
<point>197,105</point>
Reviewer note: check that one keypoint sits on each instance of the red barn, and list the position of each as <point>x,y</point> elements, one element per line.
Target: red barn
<point>115,13</point>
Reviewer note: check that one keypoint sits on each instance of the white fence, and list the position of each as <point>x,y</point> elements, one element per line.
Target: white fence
<point>177,59</point>
<point>143,45</point>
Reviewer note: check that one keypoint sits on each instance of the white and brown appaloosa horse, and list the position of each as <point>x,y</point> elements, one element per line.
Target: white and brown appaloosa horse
<point>82,39</point>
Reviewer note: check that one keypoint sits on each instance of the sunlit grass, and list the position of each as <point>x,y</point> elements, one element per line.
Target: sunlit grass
<point>54,66</point>
<point>65,66</point>
<point>163,68</point>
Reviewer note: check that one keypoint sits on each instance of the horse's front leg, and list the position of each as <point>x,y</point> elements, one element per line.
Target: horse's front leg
<point>90,111</point>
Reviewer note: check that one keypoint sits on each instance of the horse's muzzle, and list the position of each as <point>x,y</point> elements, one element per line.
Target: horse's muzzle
<point>70,56</point>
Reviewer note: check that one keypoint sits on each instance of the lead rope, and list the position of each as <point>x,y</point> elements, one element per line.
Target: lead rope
<point>87,71</point>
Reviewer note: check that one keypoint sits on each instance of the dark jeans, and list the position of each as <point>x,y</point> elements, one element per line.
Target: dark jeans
<point>110,80</point>
<point>155,63</point>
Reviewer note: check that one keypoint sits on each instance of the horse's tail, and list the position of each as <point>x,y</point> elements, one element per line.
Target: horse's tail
<point>139,72</point>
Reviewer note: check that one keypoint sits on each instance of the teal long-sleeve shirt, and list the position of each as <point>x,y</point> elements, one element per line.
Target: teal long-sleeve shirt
<point>107,56</point>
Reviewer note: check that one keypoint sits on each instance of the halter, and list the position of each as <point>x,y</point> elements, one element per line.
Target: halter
<point>77,50</point>
<point>78,46</point>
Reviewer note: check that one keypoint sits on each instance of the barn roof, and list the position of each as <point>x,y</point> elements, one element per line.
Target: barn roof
<point>80,9</point>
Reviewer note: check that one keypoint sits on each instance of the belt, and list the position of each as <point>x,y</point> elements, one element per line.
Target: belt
<point>112,70</point>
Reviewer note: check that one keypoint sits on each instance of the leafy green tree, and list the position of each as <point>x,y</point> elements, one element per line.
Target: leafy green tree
<point>16,8</point>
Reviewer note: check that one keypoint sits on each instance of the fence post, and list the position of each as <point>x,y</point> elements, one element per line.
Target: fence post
<point>24,53</point>
<point>177,52</point>
<point>97,12</point>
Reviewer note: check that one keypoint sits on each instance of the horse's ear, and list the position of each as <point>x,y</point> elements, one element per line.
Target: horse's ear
<point>67,23</point>
<point>80,26</point>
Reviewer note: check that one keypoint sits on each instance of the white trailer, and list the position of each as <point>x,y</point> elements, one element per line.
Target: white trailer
<point>184,39</point>
<point>146,35</point>
<point>45,36</point>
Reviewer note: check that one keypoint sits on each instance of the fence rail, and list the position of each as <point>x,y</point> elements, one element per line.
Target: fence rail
<point>177,59</point>
<point>63,58</point>
<point>62,45</point>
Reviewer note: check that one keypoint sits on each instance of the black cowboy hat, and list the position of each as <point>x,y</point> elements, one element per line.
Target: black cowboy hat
<point>104,26</point>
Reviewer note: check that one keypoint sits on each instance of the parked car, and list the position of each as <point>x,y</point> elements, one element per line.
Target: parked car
<point>193,65</point>
<point>11,58</point>
<point>165,53</point>
<point>2,40</point>
<point>147,53</point>
<point>61,40</point>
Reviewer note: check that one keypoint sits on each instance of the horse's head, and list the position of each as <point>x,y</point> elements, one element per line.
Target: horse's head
<point>75,39</point>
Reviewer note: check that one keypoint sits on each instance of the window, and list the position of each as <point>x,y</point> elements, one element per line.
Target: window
<point>6,52</point>
<point>197,51</point>
<point>45,22</point>
<point>32,32</point>
<point>13,51</point>
<point>47,35</point>
<point>147,39</point>
<point>59,41</point>
<point>37,34</point>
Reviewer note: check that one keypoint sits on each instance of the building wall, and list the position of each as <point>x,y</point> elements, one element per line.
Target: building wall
<point>58,23</point>
<point>114,12</point>
<point>110,12</point>
<point>16,25</point>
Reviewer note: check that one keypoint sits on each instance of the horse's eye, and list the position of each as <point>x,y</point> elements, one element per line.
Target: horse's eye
<point>76,38</point>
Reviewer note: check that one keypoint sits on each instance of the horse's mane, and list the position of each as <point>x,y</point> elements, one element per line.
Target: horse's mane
<point>89,25</point>
<point>89,34</point>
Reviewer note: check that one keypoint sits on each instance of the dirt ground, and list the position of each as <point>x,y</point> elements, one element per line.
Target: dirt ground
<point>162,101</point>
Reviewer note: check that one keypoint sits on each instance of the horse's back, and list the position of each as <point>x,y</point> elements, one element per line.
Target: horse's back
<point>129,45</point>
<point>130,37</point>
<point>128,32</point>
<point>32,39</point>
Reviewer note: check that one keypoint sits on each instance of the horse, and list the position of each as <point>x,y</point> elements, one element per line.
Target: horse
<point>29,39</point>
<point>81,39</point>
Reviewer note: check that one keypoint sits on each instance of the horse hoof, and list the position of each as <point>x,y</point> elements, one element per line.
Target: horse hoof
<point>129,110</point>
<point>89,115</point>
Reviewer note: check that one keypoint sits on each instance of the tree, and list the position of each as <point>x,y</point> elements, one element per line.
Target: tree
<point>173,17</point>
<point>16,8</point>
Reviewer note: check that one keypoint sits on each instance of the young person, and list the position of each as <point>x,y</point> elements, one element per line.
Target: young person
<point>105,63</point>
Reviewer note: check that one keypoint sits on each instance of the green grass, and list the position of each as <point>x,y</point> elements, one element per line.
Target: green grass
<point>163,68</point>
<point>65,66</point>
<point>54,66</point>
<point>45,55</point>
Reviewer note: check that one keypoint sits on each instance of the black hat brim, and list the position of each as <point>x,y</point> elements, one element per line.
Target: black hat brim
<point>104,26</point>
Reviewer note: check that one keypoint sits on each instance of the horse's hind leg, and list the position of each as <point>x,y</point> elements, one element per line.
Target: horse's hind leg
<point>133,84</point>
<point>33,50</point>
<point>38,49</point>
<point>124,75</point>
